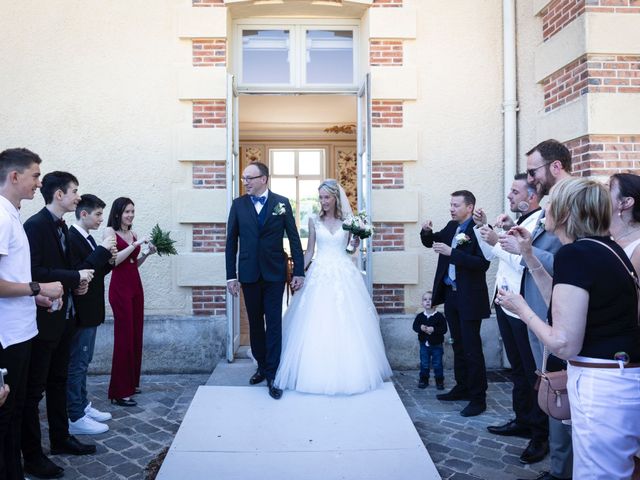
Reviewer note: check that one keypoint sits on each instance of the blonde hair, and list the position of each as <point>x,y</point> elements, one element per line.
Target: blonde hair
<point>581,206</point>
<point>332,187</point>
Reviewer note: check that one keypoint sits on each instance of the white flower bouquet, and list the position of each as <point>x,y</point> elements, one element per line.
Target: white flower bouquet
<point>359,226</point>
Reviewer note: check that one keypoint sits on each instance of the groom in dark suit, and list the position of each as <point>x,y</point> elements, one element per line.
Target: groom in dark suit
<point>461,285</point>
<point>259,221</point>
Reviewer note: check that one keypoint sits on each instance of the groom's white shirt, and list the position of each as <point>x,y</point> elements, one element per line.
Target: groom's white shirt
<point>259,206</point>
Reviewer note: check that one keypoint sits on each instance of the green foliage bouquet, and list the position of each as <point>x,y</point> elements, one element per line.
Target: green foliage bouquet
<point>162,241</point>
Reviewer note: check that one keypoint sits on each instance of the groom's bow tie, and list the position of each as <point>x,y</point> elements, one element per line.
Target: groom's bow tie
<point>260,200</point>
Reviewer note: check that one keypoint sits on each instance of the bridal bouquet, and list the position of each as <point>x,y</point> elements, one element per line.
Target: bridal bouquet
<point>359,226</point>
<point>162,241</point>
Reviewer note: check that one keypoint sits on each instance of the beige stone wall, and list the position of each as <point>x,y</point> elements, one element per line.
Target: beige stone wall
<point>105,91</point>
<point>92,88</point>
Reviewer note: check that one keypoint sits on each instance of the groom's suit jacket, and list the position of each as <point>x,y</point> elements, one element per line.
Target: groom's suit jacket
<point>470,271</point>
<point>261,254</point>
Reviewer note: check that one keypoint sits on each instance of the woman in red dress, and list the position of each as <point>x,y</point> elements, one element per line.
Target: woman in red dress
<point>127,302</point>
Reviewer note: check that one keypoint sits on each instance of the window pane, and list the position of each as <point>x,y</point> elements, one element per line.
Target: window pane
<point>285,187</point>
<point>310,162</point>
<point>309,204</point>
<point>265,56</point>
<point>283,162</point>
<point>330,56</point>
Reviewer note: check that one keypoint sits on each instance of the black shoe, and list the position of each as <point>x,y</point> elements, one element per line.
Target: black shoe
<point>456,393</point>
<point>546,476</point>
<point>423,382</point>
<point>274,391</point>
<point>72,446</point>
<point>535,451</point>
<point>440,383</point>
<point>41,467</point>
<point>510,429</point>
<point>124,402</point>
<point>256,378</point>
<point>473,409</point>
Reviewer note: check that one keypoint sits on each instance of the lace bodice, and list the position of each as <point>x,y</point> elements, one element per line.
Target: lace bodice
<point>328,243</point>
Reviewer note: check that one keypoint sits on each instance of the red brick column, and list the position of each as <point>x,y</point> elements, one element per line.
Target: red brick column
<point>604,155</point>
<point>387,175</point>
<point>209,300</point>
<point>388,298</point>
<point>388,237</point>
<point>209,52</point>
<point>387,113</point>
<point>387,3</point>
<point>386,53</point>
<point>209,237</point>
<point>207,3</point>
<point>209,175</point>
<point>210,114</point>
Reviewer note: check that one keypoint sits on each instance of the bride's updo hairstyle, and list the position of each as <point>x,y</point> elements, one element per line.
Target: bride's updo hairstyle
<point>331,186</point>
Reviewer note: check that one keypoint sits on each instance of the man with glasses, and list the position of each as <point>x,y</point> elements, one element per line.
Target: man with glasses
<point>548,163</point>
<point>259,221</point>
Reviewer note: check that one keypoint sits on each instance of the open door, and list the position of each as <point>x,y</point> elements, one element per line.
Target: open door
<point>233,190</point>
<point>364,172</point>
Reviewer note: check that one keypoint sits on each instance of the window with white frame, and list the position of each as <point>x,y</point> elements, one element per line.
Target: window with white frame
<point>297,173</point>
<point>296,56</point>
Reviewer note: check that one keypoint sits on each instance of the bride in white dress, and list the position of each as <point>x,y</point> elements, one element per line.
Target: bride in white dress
<point>331,342</point>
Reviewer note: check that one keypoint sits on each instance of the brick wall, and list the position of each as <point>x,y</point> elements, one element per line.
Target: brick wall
<point>604,155</point>
<point>208,237</point>
<point>385,53</point>
<point>388,298</point>
<point>387,3</point>
<point>207,3</point>
<point>209,114</point>
<point>387,175</point>
<point>210,52</point>
<point>388,237</point>
<point>209,300</point>
<point>386,113</point>
<point>559,13</point>
<point>209,175</point>
<point>592,73</point>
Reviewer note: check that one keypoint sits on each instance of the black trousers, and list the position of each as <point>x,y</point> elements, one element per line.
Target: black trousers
<point>524,397</point>
<point>15,359</point>
<point>468,360</point>
<point>48,370</point>
<point>264,309</point>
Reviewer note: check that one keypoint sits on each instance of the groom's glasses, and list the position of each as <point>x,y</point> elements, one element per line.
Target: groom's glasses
<point>248,179</point>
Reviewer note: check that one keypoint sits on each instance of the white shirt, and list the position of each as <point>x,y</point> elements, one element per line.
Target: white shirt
<point>17,314</point>
<point>509,269</point>
<point>258,206</point>
<point>84,233</point>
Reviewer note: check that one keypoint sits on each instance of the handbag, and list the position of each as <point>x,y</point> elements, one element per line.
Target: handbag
<point>553,397</point>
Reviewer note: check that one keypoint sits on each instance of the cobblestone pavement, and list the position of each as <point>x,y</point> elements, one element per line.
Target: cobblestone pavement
<point>460,447</point>
<point>136,434</point>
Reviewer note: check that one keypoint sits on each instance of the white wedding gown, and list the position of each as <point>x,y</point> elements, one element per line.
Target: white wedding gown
<point>331,341</point>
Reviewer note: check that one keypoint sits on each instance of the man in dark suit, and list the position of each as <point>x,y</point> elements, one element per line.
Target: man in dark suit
<point>49,363</point>
<point>461,285</point>
<point>259,221</point>
<point>86,253</point>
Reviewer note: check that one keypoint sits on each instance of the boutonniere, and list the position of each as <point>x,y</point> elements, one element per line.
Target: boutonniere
<point>279,209</point>
<point>541,222</point>
<point>462,238</point>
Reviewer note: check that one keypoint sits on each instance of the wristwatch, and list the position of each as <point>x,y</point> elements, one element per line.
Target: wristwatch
<point>35,288</point>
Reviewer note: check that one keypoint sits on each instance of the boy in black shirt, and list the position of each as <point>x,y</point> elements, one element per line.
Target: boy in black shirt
<point>430,326</point>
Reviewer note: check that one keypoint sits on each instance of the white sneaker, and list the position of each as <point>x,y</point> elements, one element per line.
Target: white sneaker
<point>97,415</point>
<point>87,426</point>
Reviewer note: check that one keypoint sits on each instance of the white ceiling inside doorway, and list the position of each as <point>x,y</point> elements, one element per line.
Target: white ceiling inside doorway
<point>295,116</point>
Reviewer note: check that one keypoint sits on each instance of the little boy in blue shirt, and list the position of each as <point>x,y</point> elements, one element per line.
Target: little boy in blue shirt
<point>430,326</point>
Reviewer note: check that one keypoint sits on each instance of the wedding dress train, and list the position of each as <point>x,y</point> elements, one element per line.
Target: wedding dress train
<point>331,341</point>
